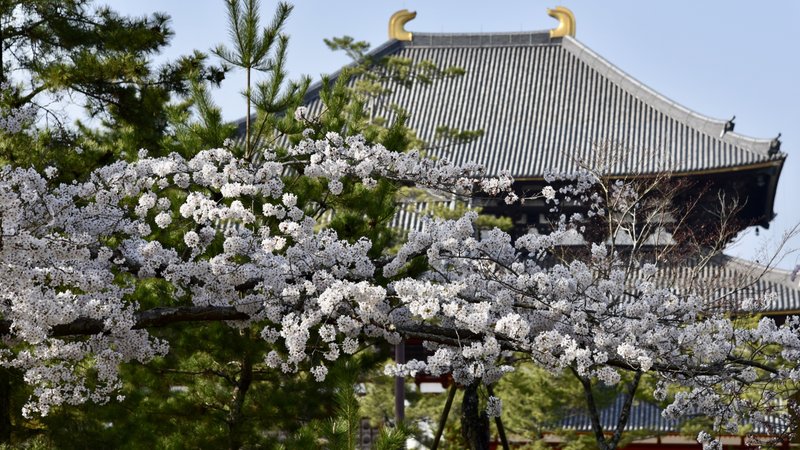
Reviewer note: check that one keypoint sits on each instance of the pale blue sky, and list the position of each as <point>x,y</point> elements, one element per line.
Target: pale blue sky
<point>719,58</point>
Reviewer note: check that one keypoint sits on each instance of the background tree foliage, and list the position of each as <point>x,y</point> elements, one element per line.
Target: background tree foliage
<point>60,54</point>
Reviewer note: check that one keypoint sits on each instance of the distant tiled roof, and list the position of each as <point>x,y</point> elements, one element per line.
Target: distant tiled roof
<point>738,282</point>
<point>733,285</point>
<point>543,104</point>
<point>644,416</point>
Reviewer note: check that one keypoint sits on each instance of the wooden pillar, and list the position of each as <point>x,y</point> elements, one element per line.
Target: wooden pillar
<point>400,385</point>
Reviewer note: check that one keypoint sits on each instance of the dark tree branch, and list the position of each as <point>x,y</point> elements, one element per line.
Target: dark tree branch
<point>443,418</point>
<point>151,318</point>
<point>5,405</point>
<point>164,316</point>
<point>622,420</point>
<point>159,317</point>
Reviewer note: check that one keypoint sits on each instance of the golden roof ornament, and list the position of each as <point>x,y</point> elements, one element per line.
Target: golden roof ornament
<point>566,19</point>
<point>397,23</point>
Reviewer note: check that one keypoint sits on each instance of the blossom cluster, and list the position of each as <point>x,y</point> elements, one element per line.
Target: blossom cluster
<point>14,120</point>
<point>74,253</point>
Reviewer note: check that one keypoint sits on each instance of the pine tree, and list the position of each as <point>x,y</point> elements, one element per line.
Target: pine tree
<point>256,49</point>
<point>102,62</point>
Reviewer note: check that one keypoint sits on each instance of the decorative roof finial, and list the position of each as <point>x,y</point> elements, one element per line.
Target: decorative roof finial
<point>728,127</point>
<point>774,145</point>
<point>397,22</point>
<point>566,21</point>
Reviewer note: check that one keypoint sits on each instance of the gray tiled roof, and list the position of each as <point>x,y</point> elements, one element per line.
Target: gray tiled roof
<point>543,104</point>
<point>644,416</point>
<point>736,282</point>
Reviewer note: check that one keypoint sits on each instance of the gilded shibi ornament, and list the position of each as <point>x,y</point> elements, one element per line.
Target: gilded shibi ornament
<point>566,19</point>
<point>397,23</point>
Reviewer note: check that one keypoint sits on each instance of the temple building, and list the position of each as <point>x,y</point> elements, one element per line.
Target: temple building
<point>544,101</point>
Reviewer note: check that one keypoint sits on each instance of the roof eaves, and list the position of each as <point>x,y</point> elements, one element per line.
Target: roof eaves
<point>776,163</point>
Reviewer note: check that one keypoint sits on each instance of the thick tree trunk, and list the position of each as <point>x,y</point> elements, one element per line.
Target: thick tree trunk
<point>235,416</point>
<point>474,422</point>
<point>5,406</point>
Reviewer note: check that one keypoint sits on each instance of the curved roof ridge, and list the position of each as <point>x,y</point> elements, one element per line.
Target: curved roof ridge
<point>482,39</point>
<point>708,125</point>
<point>479,33</point>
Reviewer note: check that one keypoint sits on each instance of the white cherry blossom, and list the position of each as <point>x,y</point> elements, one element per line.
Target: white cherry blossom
<point>256,256</point>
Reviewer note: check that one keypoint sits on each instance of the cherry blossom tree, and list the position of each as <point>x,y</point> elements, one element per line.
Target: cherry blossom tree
<point>237,241</point>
